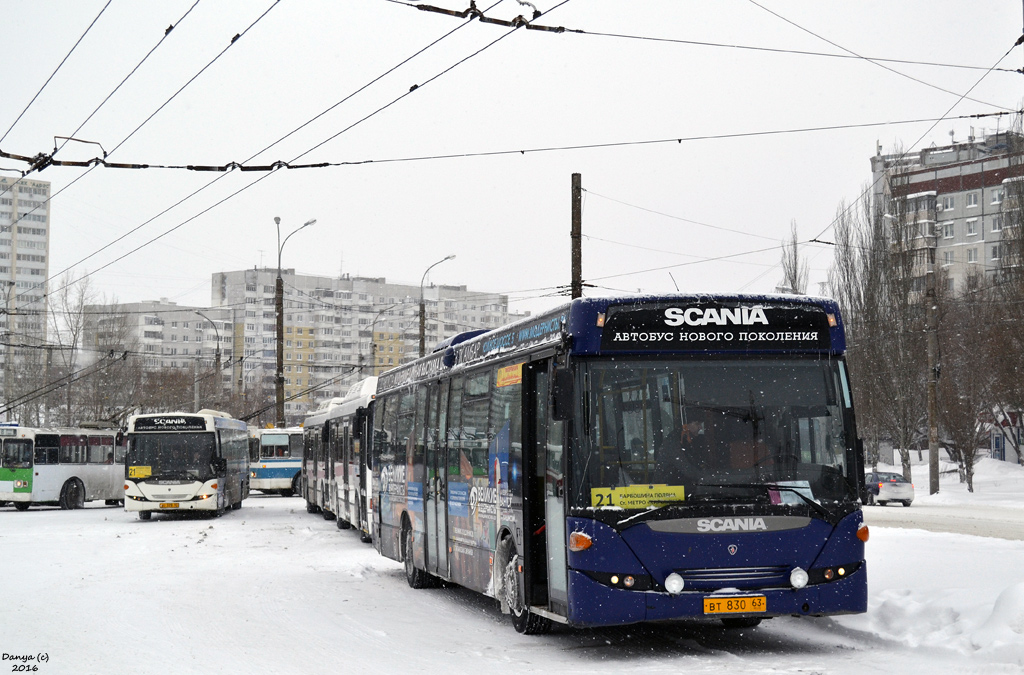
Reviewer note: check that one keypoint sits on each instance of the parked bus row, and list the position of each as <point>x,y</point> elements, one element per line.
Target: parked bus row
<point>614,461</point>
<point>176,462</point>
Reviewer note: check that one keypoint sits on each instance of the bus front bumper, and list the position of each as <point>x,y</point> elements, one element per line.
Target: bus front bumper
<point>594,604</point>
<point>197,504</point>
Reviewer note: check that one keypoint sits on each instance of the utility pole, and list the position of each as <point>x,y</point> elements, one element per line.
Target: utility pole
<point>576,236</point>
<point>932,328</point>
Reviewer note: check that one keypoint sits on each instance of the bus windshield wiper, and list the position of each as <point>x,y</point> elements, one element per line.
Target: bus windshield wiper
<point>651,511</point>
<point>784,488</point>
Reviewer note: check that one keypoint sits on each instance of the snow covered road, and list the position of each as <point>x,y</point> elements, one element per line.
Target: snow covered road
<point>271,588</point>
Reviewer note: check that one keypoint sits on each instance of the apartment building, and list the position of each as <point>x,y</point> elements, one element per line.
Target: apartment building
<point>338,329</point>
<point>960,197</point>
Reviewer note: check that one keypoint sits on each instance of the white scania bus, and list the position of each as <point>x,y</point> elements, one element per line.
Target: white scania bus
<point>186,461</point>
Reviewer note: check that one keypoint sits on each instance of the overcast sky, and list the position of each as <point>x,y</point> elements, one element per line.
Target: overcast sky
<point>707,213</point>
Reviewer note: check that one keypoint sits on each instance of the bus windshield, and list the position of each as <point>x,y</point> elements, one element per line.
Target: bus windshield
<point>748,431</point>
<point>17,453</point>
<point>275,445</point>
<point>181,456</point>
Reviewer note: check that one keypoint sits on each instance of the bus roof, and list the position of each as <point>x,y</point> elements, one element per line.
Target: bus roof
<point>650,324</point>
<point>359,395</point>
<point>183,421</point>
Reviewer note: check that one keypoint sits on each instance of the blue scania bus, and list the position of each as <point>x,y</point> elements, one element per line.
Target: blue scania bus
<point>631,459</point>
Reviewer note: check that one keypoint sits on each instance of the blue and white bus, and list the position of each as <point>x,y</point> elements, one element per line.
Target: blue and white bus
<point>275,464</point>
<point>621,460</point>
<point>336,464</point>
<point>180,462</point>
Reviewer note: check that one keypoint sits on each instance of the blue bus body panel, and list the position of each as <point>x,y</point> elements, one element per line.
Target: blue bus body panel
<point>275,471</point>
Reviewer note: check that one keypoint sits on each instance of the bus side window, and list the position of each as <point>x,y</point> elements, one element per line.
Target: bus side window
<point>40,455</point>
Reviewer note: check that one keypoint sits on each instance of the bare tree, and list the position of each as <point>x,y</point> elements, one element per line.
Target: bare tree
<point>67,323</point>
<point>794,269</point>
<point>966,385</point>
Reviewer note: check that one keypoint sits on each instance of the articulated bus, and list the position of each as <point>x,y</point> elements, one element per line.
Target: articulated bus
<point>335,464</point>
<point>65,467</point>
<point>180,462</point>
<point>275,461</point>
<point>621,460</point>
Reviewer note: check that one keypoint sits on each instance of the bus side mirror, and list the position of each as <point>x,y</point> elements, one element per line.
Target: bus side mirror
<point>862,483</point>
<point>357,426</point>
<point>562,395</point>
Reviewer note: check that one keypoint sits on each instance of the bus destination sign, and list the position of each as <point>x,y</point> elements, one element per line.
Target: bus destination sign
<point>170,423</point>
<point>715,326</point>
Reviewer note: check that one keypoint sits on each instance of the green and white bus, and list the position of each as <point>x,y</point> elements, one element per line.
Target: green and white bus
<point>60,467</point>
<point>186,462</point>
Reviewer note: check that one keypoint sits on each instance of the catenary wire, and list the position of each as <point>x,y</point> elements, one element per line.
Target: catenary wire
<point>59,66</point>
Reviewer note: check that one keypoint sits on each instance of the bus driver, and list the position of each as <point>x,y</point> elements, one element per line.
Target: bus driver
<point>683,451</point>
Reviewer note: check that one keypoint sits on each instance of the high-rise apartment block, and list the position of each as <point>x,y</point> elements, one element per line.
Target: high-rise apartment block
<point>24,268</point>
<point>959,197</point>
<point>338,329</point>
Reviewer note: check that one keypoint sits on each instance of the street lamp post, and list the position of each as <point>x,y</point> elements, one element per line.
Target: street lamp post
<point>279,307</point>
<point>216,358</point>
<point>423,309</point>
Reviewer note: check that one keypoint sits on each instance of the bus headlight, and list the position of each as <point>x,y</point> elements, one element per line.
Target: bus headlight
<point>798,578</point>
<point>674,584</point>
<point>20,484</point>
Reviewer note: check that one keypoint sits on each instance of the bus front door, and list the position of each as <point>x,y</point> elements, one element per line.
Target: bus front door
<point>436,502</point>
<point>544,500</point>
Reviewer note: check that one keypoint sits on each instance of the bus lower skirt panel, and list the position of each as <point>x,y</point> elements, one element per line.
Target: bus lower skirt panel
<point>593,604</point>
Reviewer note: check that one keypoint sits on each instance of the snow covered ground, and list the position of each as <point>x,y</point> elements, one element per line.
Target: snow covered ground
<point>271,588</point>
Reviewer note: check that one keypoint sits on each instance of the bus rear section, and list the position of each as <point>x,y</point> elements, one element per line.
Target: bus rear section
<point>183,462</point>
<point>278,464</point>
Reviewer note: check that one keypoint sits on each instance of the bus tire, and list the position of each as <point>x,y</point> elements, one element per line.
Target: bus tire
<point>311,507</point>
<point>72,495</point>
<point>416,577</point>
<point>22,506</point>
<point>523,620</point>
<point>327,514</point>
<point>365,537</point>
<point>145,515</point>
<point>237,505</point>
<point>295,488</point>
<point>343,524</point>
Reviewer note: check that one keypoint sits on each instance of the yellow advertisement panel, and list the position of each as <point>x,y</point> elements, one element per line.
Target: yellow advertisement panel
<point>140,471</point>
<point>510,375</point>
<point>637,496</point>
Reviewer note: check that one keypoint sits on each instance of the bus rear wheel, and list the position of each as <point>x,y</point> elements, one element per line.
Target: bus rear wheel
<point>22,506</point>
<point>524,621</point>
<point>145,515</point>
<point>72,495</point>
<point>416,577</point>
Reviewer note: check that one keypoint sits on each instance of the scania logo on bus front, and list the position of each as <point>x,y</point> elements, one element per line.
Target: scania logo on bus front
<point>731,525</point>
<point>717,316</point>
